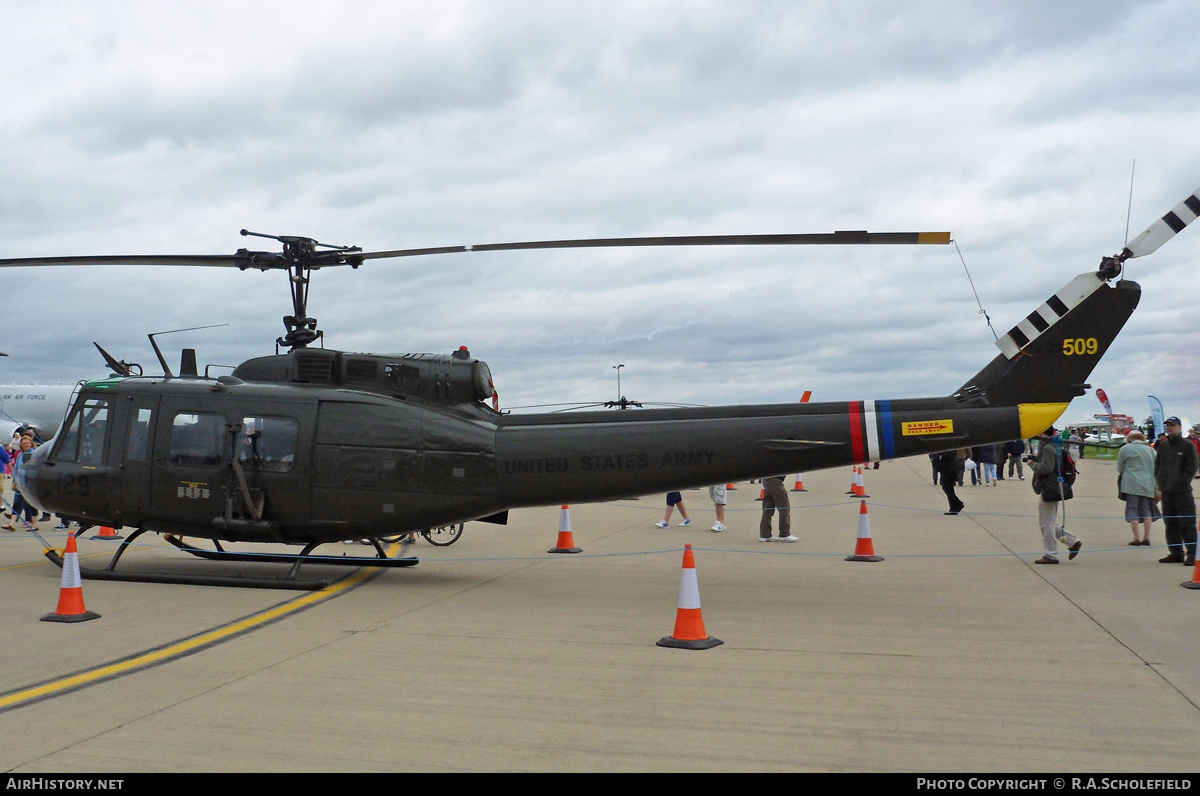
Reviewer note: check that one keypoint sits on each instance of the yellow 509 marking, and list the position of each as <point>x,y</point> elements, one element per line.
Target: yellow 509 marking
<point>1080,346</point>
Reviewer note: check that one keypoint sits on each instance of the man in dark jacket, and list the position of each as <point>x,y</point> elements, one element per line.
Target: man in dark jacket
<point>1013,451</point>
<point>1174,466</point>
<point>948,466</point>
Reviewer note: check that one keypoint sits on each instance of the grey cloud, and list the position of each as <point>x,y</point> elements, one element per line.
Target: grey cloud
<point>390,126</point>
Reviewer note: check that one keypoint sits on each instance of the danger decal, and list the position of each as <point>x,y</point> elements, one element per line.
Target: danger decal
<point>920,428</point>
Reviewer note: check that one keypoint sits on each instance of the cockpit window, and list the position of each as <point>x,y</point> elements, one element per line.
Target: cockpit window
<point>82,439</point>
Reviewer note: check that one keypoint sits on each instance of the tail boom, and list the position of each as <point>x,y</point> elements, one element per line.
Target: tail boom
<point>543,459</point>
<point>599,456</point>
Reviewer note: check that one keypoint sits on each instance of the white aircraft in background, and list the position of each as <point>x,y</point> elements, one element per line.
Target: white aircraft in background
<point>39,405</point>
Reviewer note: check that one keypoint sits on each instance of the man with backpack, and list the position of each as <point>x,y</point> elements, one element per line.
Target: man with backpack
<point>1053,475</point>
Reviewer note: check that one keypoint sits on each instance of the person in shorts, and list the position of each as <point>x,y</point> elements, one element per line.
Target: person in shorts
<point>674,499</point>
<point>719,495</point>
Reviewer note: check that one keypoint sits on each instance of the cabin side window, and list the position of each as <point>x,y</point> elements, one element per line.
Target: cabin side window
<point>139,436</point>
<point>197,438</point>
<point>82,439</point>
<point>268,443</point>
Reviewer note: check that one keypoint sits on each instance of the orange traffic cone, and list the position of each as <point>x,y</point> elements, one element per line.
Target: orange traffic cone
<point>108,534</point>
<point>689,622</point>
<point>1194,583</point>
<point>864,550</point>
<point>860,485</point>
<point>799,487</point>
<point>70,596</point>
<point>566,540</point>
<point>762,493</point>
<point>853,480</point>
<point>730,486</point>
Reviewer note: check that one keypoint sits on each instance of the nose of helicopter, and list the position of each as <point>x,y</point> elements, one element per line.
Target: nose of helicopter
<point>26,479</point>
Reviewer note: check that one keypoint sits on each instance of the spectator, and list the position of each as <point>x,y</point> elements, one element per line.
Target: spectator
<point>1135,485</point>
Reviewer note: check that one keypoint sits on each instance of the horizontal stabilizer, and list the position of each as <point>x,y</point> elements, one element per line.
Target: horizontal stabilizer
<point>797,444</point>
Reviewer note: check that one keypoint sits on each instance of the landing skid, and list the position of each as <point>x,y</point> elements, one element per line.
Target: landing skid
<point>288,582</point>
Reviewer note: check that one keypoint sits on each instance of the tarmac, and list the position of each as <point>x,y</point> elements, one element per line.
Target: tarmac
<point>953,654</point>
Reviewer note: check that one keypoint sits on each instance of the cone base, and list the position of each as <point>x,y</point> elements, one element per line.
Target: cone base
<point>565,550</point>
<point>1190,584</point>
<point>864,558</point>
<point>69,618</point>
<point>99,537</point>
<point>689,644</point>
<point>799,490</point>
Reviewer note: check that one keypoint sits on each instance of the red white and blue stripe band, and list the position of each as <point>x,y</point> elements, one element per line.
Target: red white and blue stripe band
<point>872,434</point>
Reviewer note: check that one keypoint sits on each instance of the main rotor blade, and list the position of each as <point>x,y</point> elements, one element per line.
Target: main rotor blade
<point>267,260</point>
<point>125,259</point>
<point>1165,228</point>
<point>809,239</point>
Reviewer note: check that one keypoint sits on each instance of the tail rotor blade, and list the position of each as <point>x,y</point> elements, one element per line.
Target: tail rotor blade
<point>1165,228</point>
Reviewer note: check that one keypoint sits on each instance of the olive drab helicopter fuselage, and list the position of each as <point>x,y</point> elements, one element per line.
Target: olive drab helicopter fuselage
<point>319,445</point>
<point>316,445</point>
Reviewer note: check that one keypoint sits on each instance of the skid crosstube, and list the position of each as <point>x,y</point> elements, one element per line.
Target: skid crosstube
<point>289,582</point>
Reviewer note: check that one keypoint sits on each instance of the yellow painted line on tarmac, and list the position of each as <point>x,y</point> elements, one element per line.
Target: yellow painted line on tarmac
<point>24,566</point>
<point>190,645</point>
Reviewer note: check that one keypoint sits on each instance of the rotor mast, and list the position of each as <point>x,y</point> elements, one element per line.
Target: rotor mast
<point>300,257</point>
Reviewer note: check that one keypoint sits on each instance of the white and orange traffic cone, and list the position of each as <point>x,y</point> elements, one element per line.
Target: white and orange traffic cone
<point>853,480</point>
<point>860,485</point>
<point>864,549</point>
<point>799,487</point>
<point>689,621</point>
<point>70,596</point>
<point>566,540</point>
<point>108,534</point>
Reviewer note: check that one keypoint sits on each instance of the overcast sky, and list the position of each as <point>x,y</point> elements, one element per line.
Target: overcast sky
<point>132,128</point>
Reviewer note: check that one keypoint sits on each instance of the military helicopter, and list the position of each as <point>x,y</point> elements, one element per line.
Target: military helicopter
<point>313,445</point>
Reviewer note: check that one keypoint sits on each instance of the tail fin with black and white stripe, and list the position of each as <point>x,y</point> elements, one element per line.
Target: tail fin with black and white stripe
<point>1048,356</point>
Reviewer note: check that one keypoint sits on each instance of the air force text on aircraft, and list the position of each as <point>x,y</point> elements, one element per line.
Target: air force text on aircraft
<point>619,461</point>
<point>1059,783</point>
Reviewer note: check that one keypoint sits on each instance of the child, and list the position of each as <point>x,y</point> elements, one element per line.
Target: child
<point>674,499</point>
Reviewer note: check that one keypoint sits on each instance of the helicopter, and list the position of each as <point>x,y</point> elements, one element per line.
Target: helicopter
<point>313,445</point>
